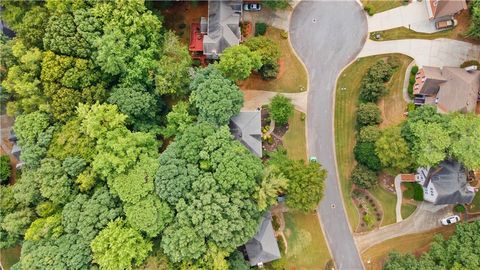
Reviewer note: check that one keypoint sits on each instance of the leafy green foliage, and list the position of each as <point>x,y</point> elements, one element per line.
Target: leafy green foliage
<point>260,29</point>
<point>269,53</point>
<point>305,181</point>
<point>34,134</point>
<point>465,144</point>
<point>53,181</point>
<point>119,246</point>
<point>431,143</point>
<point>474,28</point>
<point>32,27</point>
<point>172,75</point>
<point>369,134</point>
<point>454,253</point>
<point>16,223</point>
<point>273,183</point>
<point>365,154</point>
<point>210,182</point>
<point>216,98</point>
<point>5,169</point>
<point>363,177</point>
<point>149,215</point>
<point>393,150</point>
<point>373,83</point>
<point>281,109</point>
<point>237,62</point>
<point>178,119</point>
<point>368,114</point>
<point>47,227</point>
<point>237,262</point>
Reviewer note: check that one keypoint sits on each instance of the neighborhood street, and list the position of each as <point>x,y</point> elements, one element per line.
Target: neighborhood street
<point>327,35</point>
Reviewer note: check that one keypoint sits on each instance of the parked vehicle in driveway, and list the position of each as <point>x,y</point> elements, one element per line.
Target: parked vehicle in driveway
<point>450,220</point>
<point>252,7</point>
<point>446,24</point>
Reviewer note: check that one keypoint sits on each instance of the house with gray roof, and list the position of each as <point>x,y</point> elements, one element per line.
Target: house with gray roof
<point>445,183</point>
<point>223,27</point>
<point>246,127</point>
<point>263,247</point>
<point>450,89</point>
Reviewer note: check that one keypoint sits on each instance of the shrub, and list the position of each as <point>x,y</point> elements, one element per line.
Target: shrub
<point>281,108</point>
<point>470,63</point>
<point>410,107</point>
<point>414,70</point>
<point>284,34</point>
<point>417,192</point>
<point>373,82</point>
<point>365,154</point>
<point>369,134</point>
<point>260,29</point>
<point>5,169</point>
<point>269,71</point>
<point>368,114</point>
<point>459,208</point>
<point>410,90</point>
<point>363,177</point>
<point>369,9</point>
<point>369,220</point>
<point>394,62</point>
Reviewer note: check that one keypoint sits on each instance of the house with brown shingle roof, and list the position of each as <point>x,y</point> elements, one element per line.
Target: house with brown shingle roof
<point>444,8</point>
<point>450,89</point>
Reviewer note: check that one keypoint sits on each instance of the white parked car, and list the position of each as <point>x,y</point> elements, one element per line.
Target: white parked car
<point>450,220</point>
<point>252,7</point>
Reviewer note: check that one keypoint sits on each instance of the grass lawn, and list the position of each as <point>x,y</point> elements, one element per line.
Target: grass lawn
<point>475,206</point>
<point>393,105</point>
<point>388,201</point>
<point>407,210</point>
<point>292,76</point>
<point>382,5</point>
<point>10,256</point>
<point>414,243</point>
<point>307,248</point>
<point>294,140</point>
<point>348,88</point>
<point>408,192</point>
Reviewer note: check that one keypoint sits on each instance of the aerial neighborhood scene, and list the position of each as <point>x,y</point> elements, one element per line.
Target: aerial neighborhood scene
<point>240,134</point>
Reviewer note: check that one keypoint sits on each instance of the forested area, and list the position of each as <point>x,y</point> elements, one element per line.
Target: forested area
<point>126,147</point>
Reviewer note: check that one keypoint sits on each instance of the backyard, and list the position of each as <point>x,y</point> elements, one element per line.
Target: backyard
<point>418,243</point>
<point>348,87</point>
<point>294,140</point>
<point>292,76</point>
<point>307,248</point>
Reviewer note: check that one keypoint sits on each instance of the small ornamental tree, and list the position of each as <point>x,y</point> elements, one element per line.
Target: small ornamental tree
<point>281,109</point>
<point>368,114</point>
<point>238,62</point>
<point>365,154</point>
<point>363,177</point>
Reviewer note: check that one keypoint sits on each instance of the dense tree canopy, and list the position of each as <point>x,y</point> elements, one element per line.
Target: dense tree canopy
<point>238,62</point>
<point>210,182</point>
<point>216,98</point>
<point>393,150</point>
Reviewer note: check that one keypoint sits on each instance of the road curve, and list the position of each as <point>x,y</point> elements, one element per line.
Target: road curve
<point>327,35</point>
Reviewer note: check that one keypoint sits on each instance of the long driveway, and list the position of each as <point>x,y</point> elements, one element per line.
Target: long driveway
<point>327,35</point>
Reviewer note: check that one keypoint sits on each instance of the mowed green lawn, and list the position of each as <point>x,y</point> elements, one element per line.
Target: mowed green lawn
<point>307,248</point>
<point>388,201</point>
<point>347,92</point>
<point>382,5</point>
<point>294,140</point>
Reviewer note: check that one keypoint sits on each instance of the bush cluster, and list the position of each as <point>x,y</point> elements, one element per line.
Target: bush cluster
<point>373,83</point>
<point>260,29</point>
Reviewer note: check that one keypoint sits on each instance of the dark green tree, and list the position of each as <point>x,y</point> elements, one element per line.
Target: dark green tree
<point>363,177</point>
<point>368,114</point>
<point>281,109</point>
<point>365,154</point>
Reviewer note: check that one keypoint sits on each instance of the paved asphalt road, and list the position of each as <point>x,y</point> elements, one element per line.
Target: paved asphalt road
<point>327,35</point>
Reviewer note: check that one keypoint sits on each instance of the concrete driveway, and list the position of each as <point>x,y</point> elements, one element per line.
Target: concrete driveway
<point>439,52</point>
<point>413,16</point>
<point>327,35</point>
<point>425,218</point>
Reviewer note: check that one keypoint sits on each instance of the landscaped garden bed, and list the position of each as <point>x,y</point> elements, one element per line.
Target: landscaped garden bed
<point>370,210</point>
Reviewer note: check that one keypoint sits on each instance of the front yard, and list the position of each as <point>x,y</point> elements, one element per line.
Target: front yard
<point>292,76</point>
<point>382,5</point>
<point>347,92</point>
<point>307,248</point>
<point>418,243</point>
<point>295,138</point>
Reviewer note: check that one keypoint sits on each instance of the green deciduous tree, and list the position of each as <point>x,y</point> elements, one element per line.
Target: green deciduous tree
<point>5,169</point>
<point>26,189</point>
<point>32,27</point>
<point>273,183</point>
<point>47,227</point>
<point>465,133</point>
<point>269,53</point>
<point>149,215</point>
<point>53,181</point>
<point>373,83</point>
<point>474,29</point>
<point>363,177</point>
<point>210,181</point>
<point>119,247</point>
<point>393,150</point>
<point>369,134</point>
<point>431,142</point>
<point>17,222</point>
<point>368,114</point>
<point>172,76</point>
<point>281,109</point>
<point>238,62</point>
<point>365,154</point>
<point>216,98</point>
<point>178,119</point>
